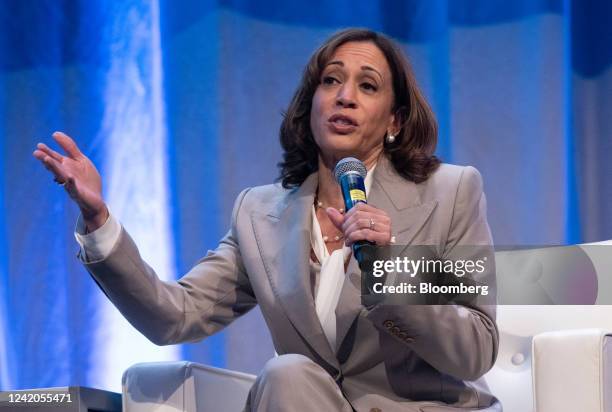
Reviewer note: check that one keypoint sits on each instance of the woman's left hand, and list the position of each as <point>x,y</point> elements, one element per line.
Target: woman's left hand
<point>362,222</point>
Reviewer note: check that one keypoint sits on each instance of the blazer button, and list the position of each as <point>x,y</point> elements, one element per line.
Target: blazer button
<point>375,410</point>
<point>388,324</point>
<point>395,330</point>
<point>409,340</point>
<point>402,335</point>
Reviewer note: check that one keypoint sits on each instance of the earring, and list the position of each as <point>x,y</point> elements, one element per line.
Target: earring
<point>390,138</point>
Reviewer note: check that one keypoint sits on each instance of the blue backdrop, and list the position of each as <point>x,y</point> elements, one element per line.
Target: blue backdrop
<point>179,104</point>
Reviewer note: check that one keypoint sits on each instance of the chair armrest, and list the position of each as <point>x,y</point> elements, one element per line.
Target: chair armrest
<point>183,386</point>
<point>572,371</point>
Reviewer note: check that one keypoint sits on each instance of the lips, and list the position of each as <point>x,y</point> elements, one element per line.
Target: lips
<point>342,124</point>
<point>342,119</point>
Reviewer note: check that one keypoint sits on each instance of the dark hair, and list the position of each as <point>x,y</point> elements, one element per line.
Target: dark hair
<point>412,152</point>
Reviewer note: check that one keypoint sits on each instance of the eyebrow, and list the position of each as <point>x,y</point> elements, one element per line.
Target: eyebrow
<point>365,67</point>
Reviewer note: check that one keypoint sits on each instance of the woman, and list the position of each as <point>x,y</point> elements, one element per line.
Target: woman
<point>288,249</point>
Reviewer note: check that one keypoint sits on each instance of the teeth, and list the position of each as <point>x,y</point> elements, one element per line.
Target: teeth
<point>342,121</point>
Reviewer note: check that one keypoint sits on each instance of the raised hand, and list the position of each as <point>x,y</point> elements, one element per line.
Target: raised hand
<point>78,175</point>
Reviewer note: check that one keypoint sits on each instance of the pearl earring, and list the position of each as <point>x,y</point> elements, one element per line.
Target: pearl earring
<point>390,138</point>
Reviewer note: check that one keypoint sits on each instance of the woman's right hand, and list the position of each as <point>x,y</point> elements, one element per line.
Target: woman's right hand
<point>79,177</point>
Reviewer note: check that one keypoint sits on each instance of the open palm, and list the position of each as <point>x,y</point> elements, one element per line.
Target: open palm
<point>77,174</point>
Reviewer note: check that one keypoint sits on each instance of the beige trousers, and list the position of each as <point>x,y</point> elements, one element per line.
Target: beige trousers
<point>293,382</point>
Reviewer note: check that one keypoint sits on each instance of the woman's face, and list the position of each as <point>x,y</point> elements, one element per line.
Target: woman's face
<point>351,107</point>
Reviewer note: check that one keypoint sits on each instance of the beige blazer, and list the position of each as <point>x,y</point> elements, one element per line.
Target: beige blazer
<point>395,358</point>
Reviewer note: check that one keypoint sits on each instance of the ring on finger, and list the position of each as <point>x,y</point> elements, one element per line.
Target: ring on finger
<point>372,223</point>
<point>56,180</point>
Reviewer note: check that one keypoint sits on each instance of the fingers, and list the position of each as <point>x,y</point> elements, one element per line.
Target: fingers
<point>359,217</point>
<point>370,224</point>
<point>379,235</point>
<point>335,216</point>
<point>365,222</point>
<point>51,165</point>
<point>365,207</point>
<point>49,152</point>
<point>68,145</point>
<point>378,238</point>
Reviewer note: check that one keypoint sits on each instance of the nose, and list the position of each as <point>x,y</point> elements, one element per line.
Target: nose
<point>346,97</point>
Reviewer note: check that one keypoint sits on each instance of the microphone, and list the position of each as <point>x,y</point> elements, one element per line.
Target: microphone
<point>350,174</point>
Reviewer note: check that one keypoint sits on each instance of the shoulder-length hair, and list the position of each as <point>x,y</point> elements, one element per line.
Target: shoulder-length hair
<point>412,151</point>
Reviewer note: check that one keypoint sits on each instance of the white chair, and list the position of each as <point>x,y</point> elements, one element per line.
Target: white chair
<point>183,386</point>
<point>552,358</point>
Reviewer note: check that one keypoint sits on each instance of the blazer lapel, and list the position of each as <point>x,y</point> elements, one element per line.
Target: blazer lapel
<point>349,302</point>
<point>283,239</point>
<point>401,200</point>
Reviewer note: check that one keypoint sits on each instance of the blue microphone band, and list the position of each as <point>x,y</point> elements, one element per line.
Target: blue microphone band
<point>353,189</point>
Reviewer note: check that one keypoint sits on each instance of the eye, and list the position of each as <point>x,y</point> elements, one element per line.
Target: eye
<point>369,86</point>
<point>329,80</point>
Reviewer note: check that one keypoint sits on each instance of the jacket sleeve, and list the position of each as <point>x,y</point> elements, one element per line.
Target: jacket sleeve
<point>209,297</point>
<point>457,339</point>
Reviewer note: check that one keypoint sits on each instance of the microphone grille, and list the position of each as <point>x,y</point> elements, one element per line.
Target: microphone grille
<point>349,164</point>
